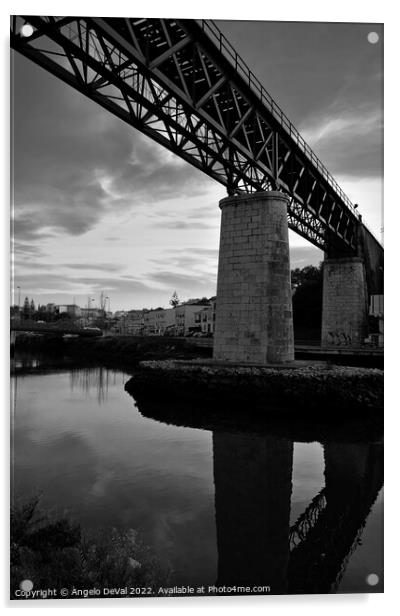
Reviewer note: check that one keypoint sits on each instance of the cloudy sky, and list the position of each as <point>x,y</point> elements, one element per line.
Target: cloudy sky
<point>99,207</point>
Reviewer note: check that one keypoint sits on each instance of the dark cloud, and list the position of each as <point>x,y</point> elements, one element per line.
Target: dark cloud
<point>186,282</point>
<point>204,252</point>
<point>104,267</point>
<point>73,161</point>
<point>336,137</point>
<point>22,249</point>
<point>154,175</point>
<point>205,211</point>
<point>41,266</point>
<point>186,258</point>
<point>23,228</point>
<point>114,284</point>
<point>181,224</point>
<point>317,73</point>
<point>57,287</point>
<point>41,280</point>
<point>305,66</point>
<point>180,261</point>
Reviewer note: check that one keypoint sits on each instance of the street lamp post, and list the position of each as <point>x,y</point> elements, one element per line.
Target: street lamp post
<point>91,300</point>
<point>106,319</point>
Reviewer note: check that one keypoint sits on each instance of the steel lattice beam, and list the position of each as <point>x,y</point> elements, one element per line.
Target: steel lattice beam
<point>180,83</point>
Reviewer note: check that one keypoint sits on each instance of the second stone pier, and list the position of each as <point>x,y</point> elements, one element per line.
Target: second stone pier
<point>254,322</point>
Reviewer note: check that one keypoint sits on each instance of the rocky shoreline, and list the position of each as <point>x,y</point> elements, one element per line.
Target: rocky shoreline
<point>313,386</point>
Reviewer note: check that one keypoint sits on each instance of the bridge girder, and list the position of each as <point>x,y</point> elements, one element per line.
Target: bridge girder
<point>180,83</point>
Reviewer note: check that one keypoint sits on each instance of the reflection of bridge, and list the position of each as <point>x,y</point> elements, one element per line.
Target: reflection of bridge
<point>183,85</point>
<point>324,537</point>
<point>253,487</point>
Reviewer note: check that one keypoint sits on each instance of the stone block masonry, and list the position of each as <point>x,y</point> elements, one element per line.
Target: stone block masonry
<point>254,322</point>
<point>344,303</point>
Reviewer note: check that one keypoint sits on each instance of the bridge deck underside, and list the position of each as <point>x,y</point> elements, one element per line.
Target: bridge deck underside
<point>176,82</point>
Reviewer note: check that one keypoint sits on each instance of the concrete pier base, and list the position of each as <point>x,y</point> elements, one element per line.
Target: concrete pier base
<point>344,303</point>
<point>254,322</point>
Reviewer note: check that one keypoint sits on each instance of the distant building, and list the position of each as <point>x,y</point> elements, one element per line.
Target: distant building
<point>376,311</point>
<point>128,322</point>
<point>376,305</point>
<point>163,318</point>
<point>120,313</point>
<point>185,316</point>
<point>205,318</point>
<point>71,310</point>
<point>177,321</point>
<point>155,322</point>
<point>133,322</point>
<point>89,315</point>
<point>148,323</point>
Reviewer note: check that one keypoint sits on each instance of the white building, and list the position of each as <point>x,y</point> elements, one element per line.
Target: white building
<point>205,318</point>
<point>185,320</point>
<point>163,318</point>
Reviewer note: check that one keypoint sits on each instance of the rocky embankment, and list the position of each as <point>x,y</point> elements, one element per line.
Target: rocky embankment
<point>303,386</point>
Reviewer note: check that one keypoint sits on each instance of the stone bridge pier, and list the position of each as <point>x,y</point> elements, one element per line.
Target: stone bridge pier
<point>254,322</point>
<point>344,303</point>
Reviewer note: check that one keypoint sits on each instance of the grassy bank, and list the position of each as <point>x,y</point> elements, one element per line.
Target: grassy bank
<point>119,351</point>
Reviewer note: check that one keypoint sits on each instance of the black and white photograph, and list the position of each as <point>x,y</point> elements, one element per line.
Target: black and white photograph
<point>197,307</point>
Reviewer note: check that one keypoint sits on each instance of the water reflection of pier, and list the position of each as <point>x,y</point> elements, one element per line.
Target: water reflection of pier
<point>253,487</point>
<point>256,545</point>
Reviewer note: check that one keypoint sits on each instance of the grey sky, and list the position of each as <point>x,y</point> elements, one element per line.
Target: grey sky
<point>100,207</point>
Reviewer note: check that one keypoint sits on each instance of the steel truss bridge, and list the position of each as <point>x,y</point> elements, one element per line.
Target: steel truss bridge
<point>181,83</point>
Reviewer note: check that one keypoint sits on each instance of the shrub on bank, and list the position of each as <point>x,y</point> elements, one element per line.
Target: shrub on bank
<point>57,553</point>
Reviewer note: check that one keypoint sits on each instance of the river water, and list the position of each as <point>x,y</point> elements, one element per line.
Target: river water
<point>217,506</point>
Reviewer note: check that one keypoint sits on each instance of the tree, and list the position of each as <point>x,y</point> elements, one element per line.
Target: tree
<point>174,301</point>
<point>307,301</point>
<point>309,273</point>
<point>26,309</point>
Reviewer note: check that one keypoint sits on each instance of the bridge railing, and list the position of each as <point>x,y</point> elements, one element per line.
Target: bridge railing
<point>254,83</point>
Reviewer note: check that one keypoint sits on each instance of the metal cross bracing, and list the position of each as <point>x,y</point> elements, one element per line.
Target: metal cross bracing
<point>326,534</point>
<point>183,85</point>
<point>321,545</point>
